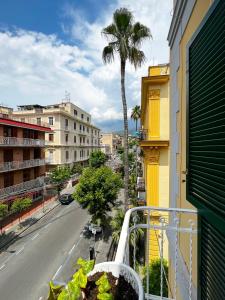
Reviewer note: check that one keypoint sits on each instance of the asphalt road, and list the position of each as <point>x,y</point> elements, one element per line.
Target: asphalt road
<point>46,251</point>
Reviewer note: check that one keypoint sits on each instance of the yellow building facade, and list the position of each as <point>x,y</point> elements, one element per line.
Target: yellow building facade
<point>154,143</point>
<point>190,20</point>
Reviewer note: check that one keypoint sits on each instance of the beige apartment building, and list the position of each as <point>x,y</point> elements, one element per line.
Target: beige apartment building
<point>111,141</point>
<point>73,137</point>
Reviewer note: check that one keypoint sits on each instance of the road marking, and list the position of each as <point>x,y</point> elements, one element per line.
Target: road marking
<point>2,267</point>
<point>35,236</point>
<point>71,250</point>
<point>57,272</point>
<point>20,251</point>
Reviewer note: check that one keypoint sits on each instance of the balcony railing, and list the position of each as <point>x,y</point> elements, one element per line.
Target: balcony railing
<point>22,187</point>
<point>143,134</point>
<point>15,165</point>
<point>14,141</point>
<point>163,230</point>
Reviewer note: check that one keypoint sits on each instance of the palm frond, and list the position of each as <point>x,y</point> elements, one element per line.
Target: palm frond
<point>123,19</point>
<point>140,33</point>
<point>108,54</point>
<point>110,32</point>
<point>136,57</point>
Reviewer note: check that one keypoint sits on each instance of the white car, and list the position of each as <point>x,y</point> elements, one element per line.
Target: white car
<point>94,228</point>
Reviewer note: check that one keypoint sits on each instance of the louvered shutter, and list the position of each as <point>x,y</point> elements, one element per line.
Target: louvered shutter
<point>206,146</point>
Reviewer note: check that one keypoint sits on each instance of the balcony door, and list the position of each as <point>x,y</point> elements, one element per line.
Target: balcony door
<point>206,147</point>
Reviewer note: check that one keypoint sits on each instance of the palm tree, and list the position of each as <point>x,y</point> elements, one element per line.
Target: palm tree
<point>136,114</point>
<point>125,38</point>
<point>117,223</point>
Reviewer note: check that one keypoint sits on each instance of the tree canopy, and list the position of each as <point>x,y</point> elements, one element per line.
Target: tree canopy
<point>97,191</point>
<point>60,174</point>
<point>97,159</point>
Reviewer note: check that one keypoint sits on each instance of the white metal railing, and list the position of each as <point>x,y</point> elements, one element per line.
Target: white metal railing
<point>14,141</point>
<point>15,165</point>
<point>164,227</point>
<point>23,186</point>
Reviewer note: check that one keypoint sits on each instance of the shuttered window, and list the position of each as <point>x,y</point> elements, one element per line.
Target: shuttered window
<point>206,147</point>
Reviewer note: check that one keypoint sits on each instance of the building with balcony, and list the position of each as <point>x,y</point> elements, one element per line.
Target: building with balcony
<point>197,160</point>
<point>154,141</point>
<point>22,160</point>
<point>73,136</point>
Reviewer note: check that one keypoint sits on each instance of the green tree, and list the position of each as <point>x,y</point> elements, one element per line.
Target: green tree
<point>125,38</point>
<point>136,114</point>
<point>97,159</point>
<point>20,205</point>
<point>59,175</point>
<point>154,277</point>
<point>97,191</point>
<point>3,210</point>
<point>117,223</point>
<point>76,169</point>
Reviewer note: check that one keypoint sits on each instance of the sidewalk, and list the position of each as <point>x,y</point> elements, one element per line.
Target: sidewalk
<point>15,228</point>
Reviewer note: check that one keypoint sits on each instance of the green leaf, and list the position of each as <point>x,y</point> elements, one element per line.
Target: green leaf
<point>103,284</point>
<point>54,291</point>
<point>80,278</point>
<point>64,295</point>
<point>105,296</point>
<point>86,265</point>
<point>74,290</point>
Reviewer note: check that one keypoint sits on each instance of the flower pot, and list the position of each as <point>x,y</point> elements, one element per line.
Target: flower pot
<point>118,269</point>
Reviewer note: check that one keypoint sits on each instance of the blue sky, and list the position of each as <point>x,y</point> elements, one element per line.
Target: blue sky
<point>51,46</point>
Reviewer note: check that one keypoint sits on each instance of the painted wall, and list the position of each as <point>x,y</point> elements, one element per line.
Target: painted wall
<point>193,13</point>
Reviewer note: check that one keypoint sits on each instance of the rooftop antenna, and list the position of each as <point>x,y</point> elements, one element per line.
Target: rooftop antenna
<point>67,97</point>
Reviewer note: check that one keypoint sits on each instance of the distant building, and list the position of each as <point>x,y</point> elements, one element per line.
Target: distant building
<point>114,141</point>
<point>74,137</point>
<point>22,159</point>
<point>105,149</point>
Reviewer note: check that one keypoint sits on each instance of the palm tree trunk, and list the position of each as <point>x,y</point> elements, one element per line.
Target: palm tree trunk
<point>136,124</point>
<point>126,165</point>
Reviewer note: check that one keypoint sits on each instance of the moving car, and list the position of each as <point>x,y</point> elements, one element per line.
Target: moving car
<point>65,198</point>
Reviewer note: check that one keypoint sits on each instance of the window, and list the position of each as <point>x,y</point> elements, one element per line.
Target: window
<point>83,139</point>
<point>82,116</point>
<point>38,121</point>
<point>80,153</point>
<point>66,123</point>
<point>75,126</point>
<point>51,137</point>
<point>87,152</point>
<point>50,121</point>
<point>95,132</point>
<point>88,119</point>
<point>80,127</point>
<point>80,140</point>
<point>75,155</point>
<point>66,138</point>
<point>87,141</point>
<point>67,155</point>
<point>22,119</point>
<point>83,128</point>
<point>87,129</point>
<point>75,139</point>
<point>75,112</point>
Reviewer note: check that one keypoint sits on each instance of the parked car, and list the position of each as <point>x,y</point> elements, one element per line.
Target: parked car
<point>94,228</point>
<point>65,198</point>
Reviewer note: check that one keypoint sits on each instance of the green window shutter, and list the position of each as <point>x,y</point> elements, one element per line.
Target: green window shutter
<point>206,147</point>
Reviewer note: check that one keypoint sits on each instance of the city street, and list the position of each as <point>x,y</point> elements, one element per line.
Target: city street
<point>42,252</point>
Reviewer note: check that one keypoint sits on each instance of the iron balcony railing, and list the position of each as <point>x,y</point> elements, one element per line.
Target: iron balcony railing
<point>14,141</point>
<point>15,165</point>
<point>143,134</point>
<point>163,230</point>
<point>21,187</point>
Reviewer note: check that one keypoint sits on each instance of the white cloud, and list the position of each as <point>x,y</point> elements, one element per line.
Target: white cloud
<point>38,68</point>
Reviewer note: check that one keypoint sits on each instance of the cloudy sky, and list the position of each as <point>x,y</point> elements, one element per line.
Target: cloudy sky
<point>49,47</point>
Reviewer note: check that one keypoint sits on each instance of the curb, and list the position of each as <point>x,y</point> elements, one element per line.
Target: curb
<point>35,221</point>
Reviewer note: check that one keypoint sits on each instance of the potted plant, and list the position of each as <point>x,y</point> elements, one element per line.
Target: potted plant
<point>107,281</point>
